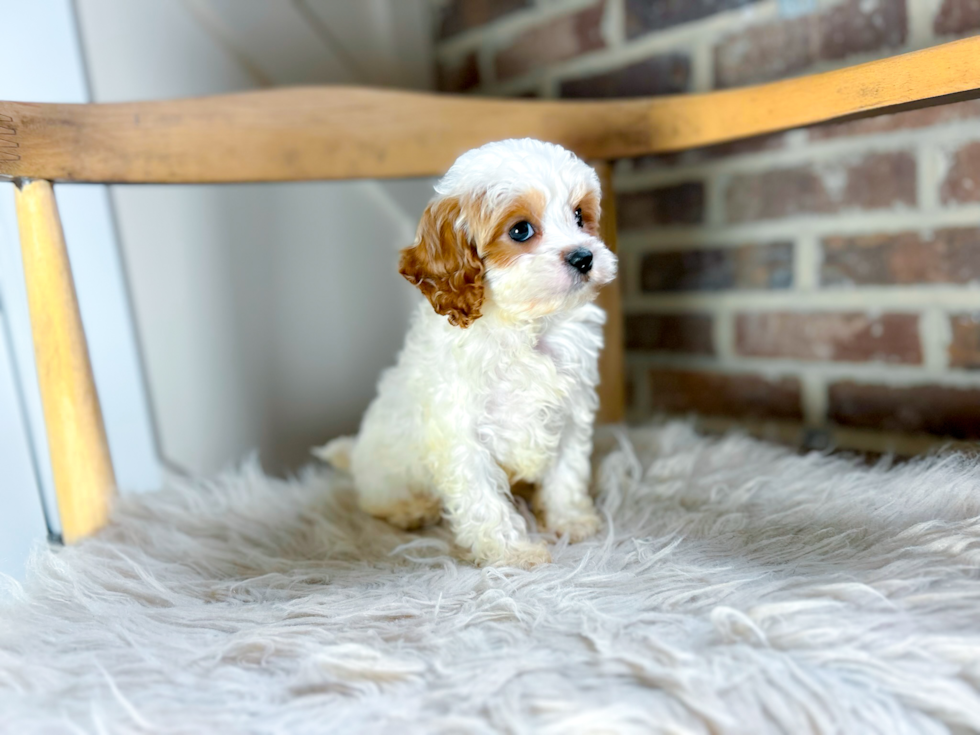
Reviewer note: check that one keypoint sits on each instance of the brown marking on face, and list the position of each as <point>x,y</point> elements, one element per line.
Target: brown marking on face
<point>500,250</point>
<point>457,240</point>
<point>590,213</point>
<point>444,265</point>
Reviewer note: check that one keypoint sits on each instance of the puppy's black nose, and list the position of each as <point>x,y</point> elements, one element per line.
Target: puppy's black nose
<point>580,260</point>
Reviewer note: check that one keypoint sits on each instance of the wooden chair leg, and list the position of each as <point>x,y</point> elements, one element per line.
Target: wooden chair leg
<point>83,476</point>
<point>612,366</point>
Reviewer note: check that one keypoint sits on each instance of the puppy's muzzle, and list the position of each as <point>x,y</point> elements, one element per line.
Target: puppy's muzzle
<point>580,260</point>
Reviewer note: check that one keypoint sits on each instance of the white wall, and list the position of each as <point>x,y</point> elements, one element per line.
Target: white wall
<point>265,312</point>
<point>22,524</point>
<point>340,311</point>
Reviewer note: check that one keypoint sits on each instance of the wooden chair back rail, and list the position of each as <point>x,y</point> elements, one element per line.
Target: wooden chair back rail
<point>349,133</point>
<point>346,132</point>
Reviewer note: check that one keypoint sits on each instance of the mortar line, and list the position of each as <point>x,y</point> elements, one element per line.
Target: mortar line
<point>806,263</point>
<point>613,26</point>
<point>869,373</point>
<point>848,222</point>
<point>723,335</point>
<point>920,18</point>
<point>927,176</point>
<point>935,335</point>
<point>909,299</point>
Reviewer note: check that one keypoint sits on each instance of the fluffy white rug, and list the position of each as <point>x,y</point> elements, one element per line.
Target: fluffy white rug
<point>736,588</point>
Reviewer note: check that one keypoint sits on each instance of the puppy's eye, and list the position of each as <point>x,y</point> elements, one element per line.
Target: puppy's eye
<point>521,232</point>
<point>578,217</point>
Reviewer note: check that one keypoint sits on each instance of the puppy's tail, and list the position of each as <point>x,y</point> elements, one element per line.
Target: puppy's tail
<point>336,452</point>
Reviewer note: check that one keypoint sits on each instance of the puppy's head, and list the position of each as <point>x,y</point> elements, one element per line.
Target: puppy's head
<point>514,224</point>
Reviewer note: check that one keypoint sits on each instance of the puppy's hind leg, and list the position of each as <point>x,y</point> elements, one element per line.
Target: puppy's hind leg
<point>408,510</point>
<point>395,497</point>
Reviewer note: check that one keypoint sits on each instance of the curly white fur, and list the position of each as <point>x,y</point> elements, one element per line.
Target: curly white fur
<point>469,411</point>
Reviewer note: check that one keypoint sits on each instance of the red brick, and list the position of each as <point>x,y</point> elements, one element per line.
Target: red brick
<point>457,16</point>
<point>785,47</point>
<point>859,26</point>
<point>964,347</point>
<point>665,74</point>
<point>765,52</point>
<point>944,256</point>
<point>931,409</point>
<point>962,183</point>
<point>957,16</point>
<point>695,156</point>
<point>832,336</point>
<point>877,181</point>
<point>686,333</point>
<point>720,394</point>
<point>906,120</point>
<point>562,38</point>
<point>644,16</point>
<point>779,193</point>
<point>767,266</point>
<point>460,76</point>
<point>669,205</point>
<point>881,180</point>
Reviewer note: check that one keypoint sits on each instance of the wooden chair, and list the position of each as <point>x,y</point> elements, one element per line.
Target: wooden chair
<point>350,133</point>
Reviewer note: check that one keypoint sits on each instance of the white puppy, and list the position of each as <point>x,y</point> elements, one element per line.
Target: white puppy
<point>496,382</point>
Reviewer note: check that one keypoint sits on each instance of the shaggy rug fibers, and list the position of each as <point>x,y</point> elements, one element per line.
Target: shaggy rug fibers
<point>735,588</point>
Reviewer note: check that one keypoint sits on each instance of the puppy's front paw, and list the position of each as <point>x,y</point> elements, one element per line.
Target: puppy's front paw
<point>524,555</point>
<point>578,526</point>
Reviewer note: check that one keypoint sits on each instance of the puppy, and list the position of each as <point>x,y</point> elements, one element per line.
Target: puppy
<point>496,381</point>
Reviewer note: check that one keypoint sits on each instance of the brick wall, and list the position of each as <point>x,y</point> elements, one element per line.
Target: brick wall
<point>820,285</point>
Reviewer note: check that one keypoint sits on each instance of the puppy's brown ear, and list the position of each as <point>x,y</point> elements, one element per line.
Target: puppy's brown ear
<point>443,263</point>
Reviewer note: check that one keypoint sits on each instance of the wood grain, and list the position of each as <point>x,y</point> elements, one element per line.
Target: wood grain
<point>347,132</point>
<point>612,361</point>
<point>83,477</point>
